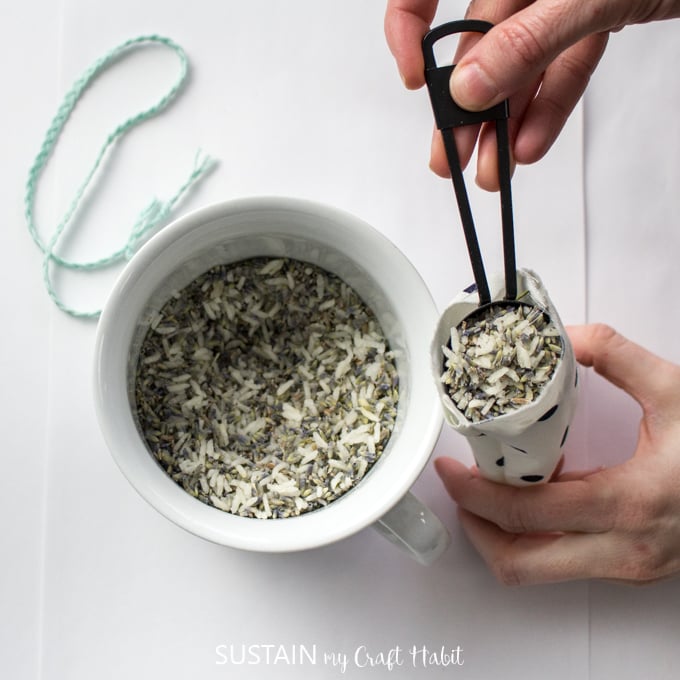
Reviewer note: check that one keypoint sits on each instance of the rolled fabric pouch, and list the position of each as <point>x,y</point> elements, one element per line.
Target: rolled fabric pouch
<point>523,446</point>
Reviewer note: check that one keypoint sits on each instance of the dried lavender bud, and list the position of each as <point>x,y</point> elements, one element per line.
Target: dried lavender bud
<point>266,388</point>
<point>500,359</point>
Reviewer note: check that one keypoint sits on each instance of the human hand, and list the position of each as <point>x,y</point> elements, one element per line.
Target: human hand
<point>621,523</point>
<point>539,55</point>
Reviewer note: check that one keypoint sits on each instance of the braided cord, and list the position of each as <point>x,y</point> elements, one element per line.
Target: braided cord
<point>150,218</point>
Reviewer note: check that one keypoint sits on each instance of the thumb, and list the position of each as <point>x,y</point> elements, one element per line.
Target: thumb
<point>651,381</point>
<point>518,50</point>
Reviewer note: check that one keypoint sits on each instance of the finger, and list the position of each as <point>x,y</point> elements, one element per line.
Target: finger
<point>487,159</point>
<point>559,476</point>
<point>465,137</point>
<point>439,163</point>
<point>563,85</point>
<point>650,380</point>
<point>487,156</point>
<point>520,48</point>
<point>406,22</point>
<point>490,11</point>
<point>487,153</point>
<point>584,505</point>
<point>487,149</point>
<point>573,475</point>
<point>533,559</point>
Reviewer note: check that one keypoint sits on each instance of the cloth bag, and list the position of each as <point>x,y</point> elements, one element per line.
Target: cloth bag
<point>524,446</point>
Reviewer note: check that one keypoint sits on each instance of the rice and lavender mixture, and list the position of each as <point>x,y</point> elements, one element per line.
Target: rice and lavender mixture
<point>266,388</point>
<point>500,360</point>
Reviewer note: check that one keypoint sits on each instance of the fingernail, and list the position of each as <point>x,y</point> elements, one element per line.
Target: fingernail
<point>472,88</point>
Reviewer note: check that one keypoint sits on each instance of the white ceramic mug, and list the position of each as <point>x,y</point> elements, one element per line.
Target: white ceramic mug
<point>381,275</point>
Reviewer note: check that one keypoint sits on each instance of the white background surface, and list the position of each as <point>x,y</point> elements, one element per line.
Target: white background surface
<point>302,98</point>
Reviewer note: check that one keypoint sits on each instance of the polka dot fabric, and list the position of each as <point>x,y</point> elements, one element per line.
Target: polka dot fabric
<point>522,447</point>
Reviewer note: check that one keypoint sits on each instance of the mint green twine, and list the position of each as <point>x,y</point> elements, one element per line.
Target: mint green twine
<point>150,219</point>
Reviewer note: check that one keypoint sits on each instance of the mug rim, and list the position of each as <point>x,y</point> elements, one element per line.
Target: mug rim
<point>358,508</point>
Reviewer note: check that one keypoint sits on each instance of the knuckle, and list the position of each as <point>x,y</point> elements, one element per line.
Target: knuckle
<point>605,503</point>
<point>642,521</point>
<point>603,334</point>
<point>576,68</point>
<point>507,572</point>
<point>642,511</point>
<point>553,111</point>
<point>471,9</point>
<point>519,38</point>
<point>518,518</point>
<point>646,563</point>
<point>609,341</point>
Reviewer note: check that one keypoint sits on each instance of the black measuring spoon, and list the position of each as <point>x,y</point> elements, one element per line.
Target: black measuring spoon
<point>448,115</point>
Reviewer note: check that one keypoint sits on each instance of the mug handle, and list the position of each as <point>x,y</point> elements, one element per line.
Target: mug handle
<point>414,528</point>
